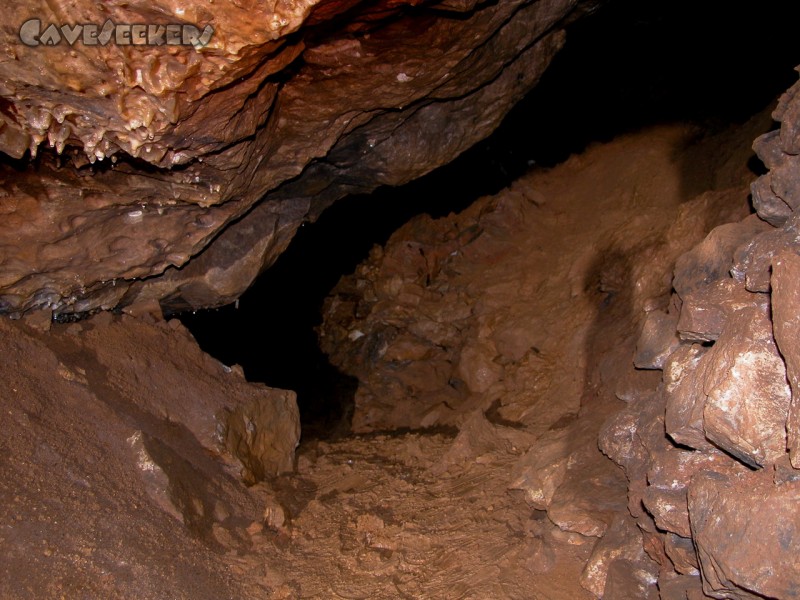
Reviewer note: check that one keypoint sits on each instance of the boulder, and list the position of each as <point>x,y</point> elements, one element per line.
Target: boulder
<point>747,530</point>
<point>747,394</point>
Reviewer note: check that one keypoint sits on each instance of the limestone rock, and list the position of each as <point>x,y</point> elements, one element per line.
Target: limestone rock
<point>683,380</point>
<point>657,341</point>
<point>220,150</point>
<point>786,325</point>
<point>712,258</point>
<point>706,310</point>
<point>746,529</point>
<point>748,398</point>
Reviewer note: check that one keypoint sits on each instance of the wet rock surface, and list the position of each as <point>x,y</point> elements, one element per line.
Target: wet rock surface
<point>149,155</point>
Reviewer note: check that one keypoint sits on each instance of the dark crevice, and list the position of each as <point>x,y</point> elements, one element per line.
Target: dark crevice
<point>630,65</point>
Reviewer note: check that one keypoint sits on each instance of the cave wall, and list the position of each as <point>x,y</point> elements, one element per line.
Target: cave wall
<point>712,455</point>
<point>177,173</point>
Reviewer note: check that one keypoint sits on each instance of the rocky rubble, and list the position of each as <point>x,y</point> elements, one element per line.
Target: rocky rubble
<point>178,172</point>
<point>711,457</point>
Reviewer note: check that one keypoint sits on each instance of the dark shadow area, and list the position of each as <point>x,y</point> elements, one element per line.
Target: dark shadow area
<point>630,65</point>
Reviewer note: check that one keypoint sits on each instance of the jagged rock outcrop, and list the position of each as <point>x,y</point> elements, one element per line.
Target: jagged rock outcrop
<point>206,155</point>
<point>116,479</point>
<point>711,458</point>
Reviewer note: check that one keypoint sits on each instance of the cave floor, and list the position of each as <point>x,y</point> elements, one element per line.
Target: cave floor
<point>373,517</point>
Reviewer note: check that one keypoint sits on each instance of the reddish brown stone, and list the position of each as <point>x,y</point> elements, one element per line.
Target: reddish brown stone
<point>706,310</point>
<point>786,325</point>
<point>685,398</point>
<point>712,258</point>
<point>188,141</point>
<point>618,567</point>
<point>632,579</point>
<point>753,260</point>
<point>669,509</point>
<point>659,339</point>
<point>590,497</point>
<point>748,398</point>
<point>682,553</point>
<point>747,531</point>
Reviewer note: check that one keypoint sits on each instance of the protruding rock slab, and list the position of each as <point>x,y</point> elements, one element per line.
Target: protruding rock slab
<point>659,339</point>
<point>747,531</point>
<point>187,140</point>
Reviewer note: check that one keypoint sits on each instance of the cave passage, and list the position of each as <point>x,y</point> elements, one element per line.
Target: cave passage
<point>628,66</point>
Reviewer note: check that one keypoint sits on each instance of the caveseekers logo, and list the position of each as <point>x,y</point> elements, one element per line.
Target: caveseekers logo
<point>91,34</point>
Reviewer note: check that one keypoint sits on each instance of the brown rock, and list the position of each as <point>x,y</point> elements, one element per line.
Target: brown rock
<point>753,260</point>
<point>670,472</point>
<point>786,326</point>
<point>263,434</point>
<point>669,509</point>
<point>747,531</point>
<point>590,497</point>
<point>712,258</point>
<point>629,579</point>
<point>748,398</point>
<point>476,367</point>
<point>276,108</point>
<point>685,398</point>
<point>623,541</point>
<point>659,339</point>
<point>768,205</point>
<point>706,310</point>
<point>630,438</point>
<point>96,464</point>
<point>541,470</point>
<point>682,553</point>
<point>673,586</point>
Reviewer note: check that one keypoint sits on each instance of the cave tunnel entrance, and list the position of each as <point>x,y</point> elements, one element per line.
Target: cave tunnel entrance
<point>629,65</point>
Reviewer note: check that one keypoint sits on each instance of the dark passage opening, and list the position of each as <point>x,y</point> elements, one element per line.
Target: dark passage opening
<point>629,65</point>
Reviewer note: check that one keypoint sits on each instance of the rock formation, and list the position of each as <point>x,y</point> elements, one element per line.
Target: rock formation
<point>133,159</point>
